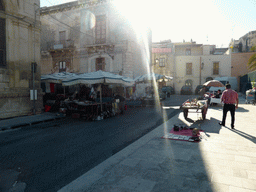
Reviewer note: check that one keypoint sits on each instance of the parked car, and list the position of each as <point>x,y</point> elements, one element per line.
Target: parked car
<point>168,90</point>
<point>186,90</point>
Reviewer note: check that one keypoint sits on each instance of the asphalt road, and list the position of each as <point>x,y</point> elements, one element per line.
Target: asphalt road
<point>49,157</point>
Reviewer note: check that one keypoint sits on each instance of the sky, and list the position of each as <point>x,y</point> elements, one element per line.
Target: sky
<point>213,22</point>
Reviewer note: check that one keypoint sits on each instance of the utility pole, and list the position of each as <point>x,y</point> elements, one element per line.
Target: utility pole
<point>149,33</point>
<point>33,67</point>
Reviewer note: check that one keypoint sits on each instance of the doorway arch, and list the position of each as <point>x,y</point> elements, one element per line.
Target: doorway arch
<point>189,82</point>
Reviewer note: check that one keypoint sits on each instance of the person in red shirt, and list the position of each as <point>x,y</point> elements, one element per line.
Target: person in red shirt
<point>230,99</point>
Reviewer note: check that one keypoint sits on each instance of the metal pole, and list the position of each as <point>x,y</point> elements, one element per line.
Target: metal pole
<point>34,101</point>
<point>101,98</point>
<point>33,67</point>
<point>200,71</point>
<point>150,59</point>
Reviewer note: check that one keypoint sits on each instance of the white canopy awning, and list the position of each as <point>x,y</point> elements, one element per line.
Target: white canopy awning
<point>149,77</point>
<point>98,77</point>
<point>57,77</point>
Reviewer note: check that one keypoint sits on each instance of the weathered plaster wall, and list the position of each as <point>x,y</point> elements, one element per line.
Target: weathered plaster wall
<point>22,48</point>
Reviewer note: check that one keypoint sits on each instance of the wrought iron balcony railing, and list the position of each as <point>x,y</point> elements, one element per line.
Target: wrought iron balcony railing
<point>54,45</point>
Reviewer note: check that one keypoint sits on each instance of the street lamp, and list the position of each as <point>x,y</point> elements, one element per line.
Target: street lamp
<point>202,66</point>
<point>156,61</point>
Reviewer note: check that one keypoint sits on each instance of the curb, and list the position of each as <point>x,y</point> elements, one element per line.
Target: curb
<point>5,128</point>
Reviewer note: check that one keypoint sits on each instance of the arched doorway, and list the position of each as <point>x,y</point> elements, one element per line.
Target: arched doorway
<point>208,79</point>
<point>189,82</point>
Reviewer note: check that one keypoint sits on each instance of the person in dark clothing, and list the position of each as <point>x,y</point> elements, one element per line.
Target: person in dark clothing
<point>218,95</point>
<point>202,92</point>
<point>121,98</point>
<point>230,99</point>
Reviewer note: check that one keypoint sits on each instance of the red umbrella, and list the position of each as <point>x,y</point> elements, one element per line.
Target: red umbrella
<point>213,83</point>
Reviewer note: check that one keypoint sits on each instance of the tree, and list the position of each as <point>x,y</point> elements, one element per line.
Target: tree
<point>252,60</point>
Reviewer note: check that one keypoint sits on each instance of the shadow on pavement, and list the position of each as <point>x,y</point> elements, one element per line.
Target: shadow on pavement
<point>239,109</point>
<point>245,135</point>
<point>183,166</point>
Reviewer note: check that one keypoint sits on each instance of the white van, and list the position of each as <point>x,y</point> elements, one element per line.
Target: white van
<point>231,80</point>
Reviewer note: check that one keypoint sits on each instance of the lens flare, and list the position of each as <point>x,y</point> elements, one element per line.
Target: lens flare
<point>88,21</point>
<point>139,16</point>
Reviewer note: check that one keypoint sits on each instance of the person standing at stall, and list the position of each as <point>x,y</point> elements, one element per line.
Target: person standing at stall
<point>218,94</point>
<point>230,99</point>
<point>202,92</point>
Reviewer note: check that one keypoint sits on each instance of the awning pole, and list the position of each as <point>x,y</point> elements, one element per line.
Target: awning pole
<point>101,98</point>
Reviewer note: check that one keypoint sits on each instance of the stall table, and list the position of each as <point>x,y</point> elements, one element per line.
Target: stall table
<point>88,110</point>
<point>199,106</point>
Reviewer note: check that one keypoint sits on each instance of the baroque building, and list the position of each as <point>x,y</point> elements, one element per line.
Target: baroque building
<point>85,36</point>
<point>19,54</point>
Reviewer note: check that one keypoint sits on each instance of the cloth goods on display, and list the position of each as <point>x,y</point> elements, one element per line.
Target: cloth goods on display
<point>183,133</point>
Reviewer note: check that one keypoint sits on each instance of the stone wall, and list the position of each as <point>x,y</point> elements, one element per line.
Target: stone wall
<point>22,48</point>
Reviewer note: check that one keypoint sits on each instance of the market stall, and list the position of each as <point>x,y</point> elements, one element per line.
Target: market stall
<point>53,90</point>
<point>214,86</point>
<point>106,106</point>
<point>145,89</point>
<point>144,83</point>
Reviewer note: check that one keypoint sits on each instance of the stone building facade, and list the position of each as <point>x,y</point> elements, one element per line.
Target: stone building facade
<point>244,43</point>
<point>86,36</point>
<point>240,55</point>
<point>239,65</point>
<point>197,63</point>
<point>163,61</point>
<point>19,48</point>
<point>192,64</point>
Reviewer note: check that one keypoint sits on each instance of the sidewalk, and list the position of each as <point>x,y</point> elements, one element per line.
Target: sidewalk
<point>225,159</point>
<point>17,122</point>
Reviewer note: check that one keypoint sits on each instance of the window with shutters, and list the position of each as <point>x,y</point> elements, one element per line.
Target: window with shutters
<point>189,69</point>
<point>62,66</point>
<point>2,43</point>
<point>188,51</point>
<point>216,68</point>
<point>62,37</point>
<point>162,62</point>
<point>100,29</point>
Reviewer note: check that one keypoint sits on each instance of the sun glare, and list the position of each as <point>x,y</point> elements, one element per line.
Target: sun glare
<point>139,16</point>
<point>134,12</point>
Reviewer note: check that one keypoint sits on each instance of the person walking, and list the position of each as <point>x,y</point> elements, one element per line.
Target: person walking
<point>230,99</point>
